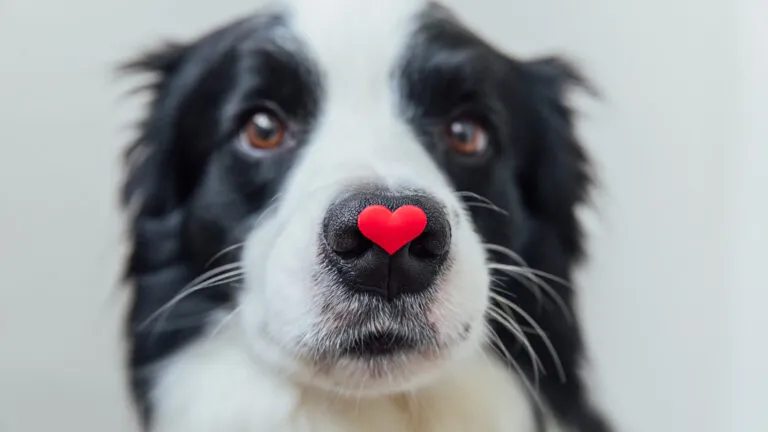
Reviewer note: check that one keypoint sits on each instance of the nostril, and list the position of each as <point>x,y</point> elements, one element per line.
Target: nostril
<point>347,242</point>
<point>429,245</point>
<point>354,249</point>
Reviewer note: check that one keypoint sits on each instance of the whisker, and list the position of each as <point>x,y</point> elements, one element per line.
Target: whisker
<point>475,196</point>
<point>212,272</point>
<point>509,323</point>
<point>518,331</point>
<point>539,330</point>
<point>490,207</point>
<point>493,335</point>
<point>219,280</point>
<point>502,292</point>
<point>533,275</point>
<point>206,280</point>
<point>484,202</point>
<point>495,286</point>
<point>533,390</point>
<point>222,252</point>
<point>224,321</point>
<point>497,345</point>
<point>540,284</point>
<point>523,279</point>
<point>511,254</point>
<point>183,322</point>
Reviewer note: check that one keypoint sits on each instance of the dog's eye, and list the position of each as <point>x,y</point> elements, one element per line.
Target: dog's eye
<point>467,137</point>
<point>264,131</point>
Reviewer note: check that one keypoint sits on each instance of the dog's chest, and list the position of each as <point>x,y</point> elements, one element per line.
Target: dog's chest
<point>477,403</point>
<point>222,391</point>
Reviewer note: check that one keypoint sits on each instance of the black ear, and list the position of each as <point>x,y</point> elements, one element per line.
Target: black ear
<point>164,168</point>
<point>166,161</point>
<point>555,177</point>
<point>151,192</point>
<point>150,187</point>
<point>557,174</point>
<point>154,268</point>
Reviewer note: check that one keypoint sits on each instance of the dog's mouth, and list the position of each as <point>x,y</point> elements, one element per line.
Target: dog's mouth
<point>379,344</point>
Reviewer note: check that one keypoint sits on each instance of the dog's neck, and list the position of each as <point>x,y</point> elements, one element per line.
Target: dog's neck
<point>215,385</point>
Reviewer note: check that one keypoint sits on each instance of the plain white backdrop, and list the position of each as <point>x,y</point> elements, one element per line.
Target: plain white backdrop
<point>672,298</point>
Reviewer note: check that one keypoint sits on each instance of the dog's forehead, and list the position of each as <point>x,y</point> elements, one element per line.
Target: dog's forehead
<point>355,43</point>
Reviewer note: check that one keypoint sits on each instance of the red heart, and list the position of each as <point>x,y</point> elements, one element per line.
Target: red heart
<point>391,230</point>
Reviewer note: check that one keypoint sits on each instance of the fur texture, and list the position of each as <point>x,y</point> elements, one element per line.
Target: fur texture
<point>243,321</point>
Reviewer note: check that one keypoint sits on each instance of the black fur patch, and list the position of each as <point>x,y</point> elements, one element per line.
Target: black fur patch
<point>189,190</point>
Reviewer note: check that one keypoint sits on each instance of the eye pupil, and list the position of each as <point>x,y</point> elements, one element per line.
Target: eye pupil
<point>467,137</point>
<point>264,131</point>
<point>264,125</point>
<point>462,132</point>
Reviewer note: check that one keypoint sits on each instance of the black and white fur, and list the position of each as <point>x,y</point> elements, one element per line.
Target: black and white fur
<point>236,321</point>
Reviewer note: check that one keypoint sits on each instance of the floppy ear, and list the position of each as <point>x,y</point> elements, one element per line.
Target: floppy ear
<point>154,268</point>
<point>557,177</point>
<point>554,179</point>
<point>150,185</point>
<point>167,160</point>
<point>164,166</point>
<point>163,169</point>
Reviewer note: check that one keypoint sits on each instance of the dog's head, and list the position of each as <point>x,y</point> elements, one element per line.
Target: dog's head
<point>268,138</point>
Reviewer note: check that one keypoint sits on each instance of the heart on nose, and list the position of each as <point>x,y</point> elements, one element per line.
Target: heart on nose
<point>391,230</point>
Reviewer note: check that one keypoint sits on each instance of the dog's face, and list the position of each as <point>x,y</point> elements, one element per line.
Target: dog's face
<point>269,137</point>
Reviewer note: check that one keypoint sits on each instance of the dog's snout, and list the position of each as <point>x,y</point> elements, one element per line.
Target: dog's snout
<point>385,243</point>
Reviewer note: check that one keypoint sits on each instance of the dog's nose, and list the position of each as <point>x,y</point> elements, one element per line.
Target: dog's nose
<point>386,244</point>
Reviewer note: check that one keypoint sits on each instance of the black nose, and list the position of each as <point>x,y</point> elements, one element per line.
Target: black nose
<point>364,266</point>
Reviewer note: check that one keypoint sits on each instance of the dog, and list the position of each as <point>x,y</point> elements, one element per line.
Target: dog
<point>355,215</point>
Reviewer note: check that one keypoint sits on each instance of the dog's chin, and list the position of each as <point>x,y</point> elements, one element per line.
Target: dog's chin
<point>378,376</point>
<point>385,363</point>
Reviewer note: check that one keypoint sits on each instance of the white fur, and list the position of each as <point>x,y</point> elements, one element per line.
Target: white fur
<point>251,377</point>
<point>216,386</point>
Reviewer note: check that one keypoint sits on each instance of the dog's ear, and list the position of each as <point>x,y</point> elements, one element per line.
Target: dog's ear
<point>555,178</point>
<point>557,175</point>
<point>151,198</point>
<point>163,167</point>
<point>150,187</point>
<point>150,192</point>
<point>175,139</point>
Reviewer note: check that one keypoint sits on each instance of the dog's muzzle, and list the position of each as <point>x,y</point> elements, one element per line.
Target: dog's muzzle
<point>378,244</point>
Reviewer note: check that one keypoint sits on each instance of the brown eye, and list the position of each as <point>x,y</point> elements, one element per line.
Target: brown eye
<point>467,137</point>
<point>264,131</point>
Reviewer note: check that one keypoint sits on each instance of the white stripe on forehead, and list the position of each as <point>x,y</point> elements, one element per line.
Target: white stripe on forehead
<point>355,43</point>
<point>361,134</point>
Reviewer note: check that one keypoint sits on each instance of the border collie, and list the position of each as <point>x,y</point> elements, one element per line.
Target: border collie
<point>277,282</point>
